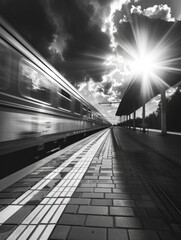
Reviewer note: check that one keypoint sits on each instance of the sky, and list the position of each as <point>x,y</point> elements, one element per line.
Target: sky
<point>92,42</point>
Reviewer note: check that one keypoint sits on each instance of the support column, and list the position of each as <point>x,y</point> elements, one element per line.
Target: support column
<point>143,117</point>
<point>129,121</point>
<point>120,117</point>
<point>134,117</point>
<point>163,112</point>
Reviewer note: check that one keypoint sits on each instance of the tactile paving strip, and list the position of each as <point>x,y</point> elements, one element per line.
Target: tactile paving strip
<point>41,221</point>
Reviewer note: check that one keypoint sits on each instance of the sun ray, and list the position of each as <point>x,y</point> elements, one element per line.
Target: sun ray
<point>151,59</point>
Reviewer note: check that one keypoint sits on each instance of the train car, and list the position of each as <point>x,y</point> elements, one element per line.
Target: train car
<point>38,106</point>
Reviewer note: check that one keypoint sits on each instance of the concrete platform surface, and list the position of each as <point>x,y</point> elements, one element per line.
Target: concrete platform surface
<point>93,191</point>
<point>169,146</point>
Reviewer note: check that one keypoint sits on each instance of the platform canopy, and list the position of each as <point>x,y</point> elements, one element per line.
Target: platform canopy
<point>152,49</point>
<point>136,95</point>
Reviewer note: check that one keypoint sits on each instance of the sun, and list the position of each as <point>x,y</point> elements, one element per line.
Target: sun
<point>143,65</point>
<point>149,60</point>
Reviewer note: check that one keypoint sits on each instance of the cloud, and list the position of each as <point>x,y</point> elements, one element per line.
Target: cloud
<point>85,45</point>
<point>162,11</point>
<point>94,94</point>
<point>85,40</point>
<point>128,33</point>
<point>111,88</point>
<point>30,19</point>
<point>67,33</point>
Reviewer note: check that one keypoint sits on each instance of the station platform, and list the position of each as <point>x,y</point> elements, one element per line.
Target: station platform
<point>169,146</point>
<point>95,189</point>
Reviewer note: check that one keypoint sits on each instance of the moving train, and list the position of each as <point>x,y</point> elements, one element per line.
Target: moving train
<point>38,106</point>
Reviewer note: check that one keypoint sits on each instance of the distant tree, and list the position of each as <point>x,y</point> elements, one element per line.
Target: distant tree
<point>173,114</point>
<point>152,120</point>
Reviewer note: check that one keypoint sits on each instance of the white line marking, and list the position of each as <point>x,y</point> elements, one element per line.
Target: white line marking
<point>38,231</point>
<point>8,212</point>
<point>33,214</point>
<point>49,212</point>
<point>47,232</point>
<point>27,232</point>
<point>17,232</point>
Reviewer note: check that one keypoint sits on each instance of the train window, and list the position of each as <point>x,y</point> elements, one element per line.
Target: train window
<point>77,106</point>
<point>64,99</point>
<point>4,65</point>
<point>89,113</point>
<point>84,110</point>
<point>33,83</point>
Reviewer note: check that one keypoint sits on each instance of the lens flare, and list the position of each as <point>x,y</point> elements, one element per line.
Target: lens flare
<point>151,59</point>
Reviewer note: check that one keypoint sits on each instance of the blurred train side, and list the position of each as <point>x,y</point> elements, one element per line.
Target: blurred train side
<point>38,106</point>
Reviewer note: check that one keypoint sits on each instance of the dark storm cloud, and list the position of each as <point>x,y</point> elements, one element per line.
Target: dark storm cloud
<point>64,32</point>
<point>157,29</point>
<point>29,18</point>
<point>86,43</point>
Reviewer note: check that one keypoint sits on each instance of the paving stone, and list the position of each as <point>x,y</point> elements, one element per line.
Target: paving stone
<point>60,232</point>
<point>121,185</point>
<point>96,210</point>
<point>117,195</point>
<point>90,177</point>
<point>6,201</point>
<point>89,174</point>
<point>21,184</point>
<point>121,211</point>
<point>136,197</point>
<point>86,181</point>
<point>143,235</point>
<point>140,212</point>
<point>101,202</point>
<point>117,234</point>
<point>106,174</point>
<point>123,203</point>
<point>120,181</point>
<point>30,179</point>
<point>103,190</point>
<point>120,190</point>
<point>128,222</point>
<point>105,181</point>
<point>88,233</point>
<point>146,204</point>
<point>77,195</point>
<point>107,185</point>
<point>89,185</point>
<point>9,195</point>
<point>6,230</point>
<point>146,197</point>
<point>72,219</point>
<point>155,223</point>
<point>165,235</point>
<point>79,201</point>
<point>16,189</point>
<point>99,221</point>
<point>93,195</point>
<point>154,212</point>
<point>105,177</point>
<point>71,209</point>
<point>83,189</point>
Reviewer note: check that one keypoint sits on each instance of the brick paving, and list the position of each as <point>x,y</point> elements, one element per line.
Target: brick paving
<point>110,202</point>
